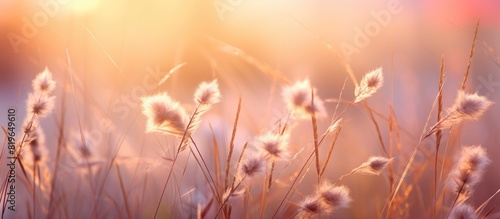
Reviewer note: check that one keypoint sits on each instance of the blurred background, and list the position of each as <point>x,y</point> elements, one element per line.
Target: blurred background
<point>117,51</point>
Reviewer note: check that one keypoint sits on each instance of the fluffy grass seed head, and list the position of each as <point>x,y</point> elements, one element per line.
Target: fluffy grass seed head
<point>37,146</point>
<point>472,106</point>
<point>207,93</point>
<point>370,84</point>
<point>164,114</point>
<point>205,96</point>
<point>298,100</point>
<point>468,170</point>
<point>35,140</point>
<point>252,165</point>
<point>43,82</point>
<point>311,205</point>
<point>466,106</point>
<point>82,145</point>
<point>29,128</point>
<point>374,165</point>
<point>274,144</point>
<point>334,196</point>
<point>40,104</point>
<point>462,211</point>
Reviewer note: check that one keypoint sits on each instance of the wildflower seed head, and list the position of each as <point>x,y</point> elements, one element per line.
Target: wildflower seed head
<point>468,170</point>
<point>334,196</point>
<point>37,146</point>
<point>466,106</point>
<point>164,115</point>
<point>374,165</point>
<point>43,82</point>
<point>207,93</point>
<point>83,149</point>
<point>474,158</point>
<point>317,107</point>
<point>83,144</point>
<point>311,205</point>
<point>370,84</point>
<point>205,96</point>
<point>274,144</point>
<point>297,94</point>
<point>29,128</point>
<point>40,104</point>
<point>252,166</point>
<point>36,151</point>
<point>463,211</point>
<point>472,106</point>
<point>298,100</point>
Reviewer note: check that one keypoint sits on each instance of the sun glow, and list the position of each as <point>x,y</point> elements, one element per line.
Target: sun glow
<point>83,6</point>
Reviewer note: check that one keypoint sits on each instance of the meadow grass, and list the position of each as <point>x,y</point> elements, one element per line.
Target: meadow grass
<point>263,177</point>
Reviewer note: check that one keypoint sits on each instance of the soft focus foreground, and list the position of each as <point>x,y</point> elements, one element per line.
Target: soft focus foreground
<point>230,109</point>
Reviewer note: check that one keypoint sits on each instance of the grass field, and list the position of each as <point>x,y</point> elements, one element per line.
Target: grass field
<point>249,109</point>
